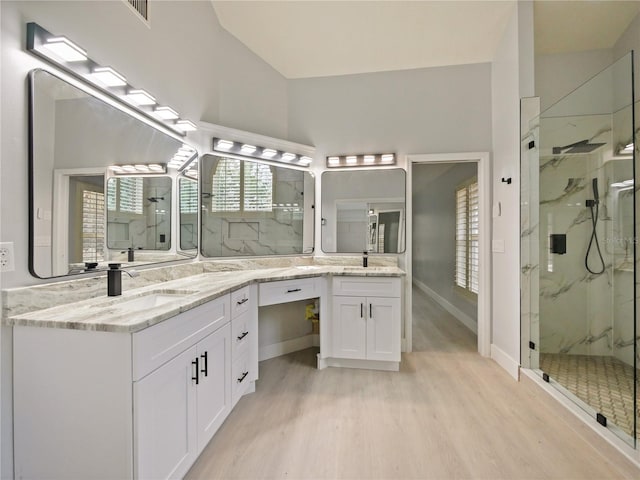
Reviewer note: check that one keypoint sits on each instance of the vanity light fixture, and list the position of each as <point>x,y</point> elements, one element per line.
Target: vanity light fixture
<point>140,97</point>
<point>260,153</point>
<point>269,153</point>
<point>108,76</point>
<point>185,126</point>
<point>222,145</point>
<point>61,52</point>
<point>166,113</point>
<point>151,168</point>
<point>368,160</point>
<point>65,49</point>
<point>185,157</point>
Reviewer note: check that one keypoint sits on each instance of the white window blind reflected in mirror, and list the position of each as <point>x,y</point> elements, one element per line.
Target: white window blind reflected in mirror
<point>245,184</point>
<point>258,187</point>
<point>92,226</point>
<point>226,185</point>
<point>188,197</point>
<point>125,195</point>
<point>467,234</point>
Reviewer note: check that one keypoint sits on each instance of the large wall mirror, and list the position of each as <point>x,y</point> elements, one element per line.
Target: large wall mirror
<point>81,212</point>
<point>254,208</point>
<point>363,210</point>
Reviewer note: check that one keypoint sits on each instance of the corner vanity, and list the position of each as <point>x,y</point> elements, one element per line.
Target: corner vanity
<point>136,386</point>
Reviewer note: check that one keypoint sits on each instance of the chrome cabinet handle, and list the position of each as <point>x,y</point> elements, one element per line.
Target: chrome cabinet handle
<point>244,334</point>
<point>294,290</point>
<point>244,375</point>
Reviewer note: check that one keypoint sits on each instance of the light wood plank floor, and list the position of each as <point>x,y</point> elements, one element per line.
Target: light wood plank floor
<point>448,413</point>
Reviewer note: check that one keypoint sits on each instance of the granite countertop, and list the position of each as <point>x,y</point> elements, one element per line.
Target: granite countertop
<point>135,310</point>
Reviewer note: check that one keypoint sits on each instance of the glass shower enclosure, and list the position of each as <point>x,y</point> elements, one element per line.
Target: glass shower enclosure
<point>579,248</point>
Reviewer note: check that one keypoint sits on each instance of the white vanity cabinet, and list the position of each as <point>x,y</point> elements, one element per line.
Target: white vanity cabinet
<point>180,405</point>
<point>366,320</point>
<point>142,405</point>
<point>244,342</point>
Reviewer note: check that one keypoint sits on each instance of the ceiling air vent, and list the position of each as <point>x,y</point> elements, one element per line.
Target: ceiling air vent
<point>141,7</point>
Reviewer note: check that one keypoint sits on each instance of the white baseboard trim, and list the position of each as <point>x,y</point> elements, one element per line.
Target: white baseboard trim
<point>282,348</point>
<point>505,361</point>
<point>465,319</point>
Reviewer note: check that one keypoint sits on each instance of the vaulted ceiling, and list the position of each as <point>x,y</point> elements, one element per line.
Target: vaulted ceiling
<point>303,39</point>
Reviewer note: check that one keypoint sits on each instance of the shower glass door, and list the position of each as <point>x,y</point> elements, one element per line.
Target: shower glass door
<point>579,233</point>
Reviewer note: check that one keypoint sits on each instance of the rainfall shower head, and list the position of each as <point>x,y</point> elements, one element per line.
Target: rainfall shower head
<point>582,146</point>
<point>155,199</point>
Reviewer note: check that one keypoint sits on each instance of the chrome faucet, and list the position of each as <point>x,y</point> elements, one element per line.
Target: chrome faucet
<point>114,279</point>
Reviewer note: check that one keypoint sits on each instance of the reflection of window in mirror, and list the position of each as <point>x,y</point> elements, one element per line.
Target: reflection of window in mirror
<point>238,183</point>
<point>92,226</point>
<point>467,236</point>
<point>188,214</point>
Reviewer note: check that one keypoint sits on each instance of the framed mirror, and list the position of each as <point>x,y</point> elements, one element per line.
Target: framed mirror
<point>75,137</point>
<point>251,208</point>
<point>188,213</point>
<point>363,210</point>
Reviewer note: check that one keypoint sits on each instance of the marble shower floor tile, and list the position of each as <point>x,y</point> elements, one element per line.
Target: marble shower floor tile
<point>605,383</point>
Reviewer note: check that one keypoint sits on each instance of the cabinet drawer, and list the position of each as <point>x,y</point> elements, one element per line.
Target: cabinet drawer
<point>240,301</point>
<point>367,286</point>
<point>285,291</point>
<point>242,375</point>
<point>242,334</point>
<point>157,344</point>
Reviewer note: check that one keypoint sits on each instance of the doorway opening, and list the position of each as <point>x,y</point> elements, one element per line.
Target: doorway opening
<point>448,262</point>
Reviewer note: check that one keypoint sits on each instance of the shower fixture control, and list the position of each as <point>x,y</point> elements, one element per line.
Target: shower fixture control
<point>558,243</point>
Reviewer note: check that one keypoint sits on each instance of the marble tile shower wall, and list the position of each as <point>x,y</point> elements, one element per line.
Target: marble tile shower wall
<point>573,302</point>
<point>279,232</point>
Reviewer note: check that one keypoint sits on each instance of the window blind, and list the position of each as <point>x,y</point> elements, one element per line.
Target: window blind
<point>258,187</point>
<point>92,226</point>
<point>188,197</point>
<point>467,237</point>
<point>226,186</point>
<point>130,195</point>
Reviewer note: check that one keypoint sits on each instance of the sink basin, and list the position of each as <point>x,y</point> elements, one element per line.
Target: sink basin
<point>145,300</point>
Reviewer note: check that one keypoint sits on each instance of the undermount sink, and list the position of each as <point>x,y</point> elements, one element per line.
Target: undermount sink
<point>145,300</point>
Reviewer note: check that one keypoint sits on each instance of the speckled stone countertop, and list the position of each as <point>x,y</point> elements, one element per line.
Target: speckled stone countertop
<point>131,311</point>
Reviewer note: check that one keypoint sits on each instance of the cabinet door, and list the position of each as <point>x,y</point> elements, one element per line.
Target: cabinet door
<point>383,329</point>
<point>214,388</point>
<point>349,327</point>
<point>165,419</point>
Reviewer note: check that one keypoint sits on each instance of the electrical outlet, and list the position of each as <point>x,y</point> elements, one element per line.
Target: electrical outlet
<point>6,257</point>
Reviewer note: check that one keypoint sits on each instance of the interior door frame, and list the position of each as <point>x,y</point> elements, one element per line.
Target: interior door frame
<point>482,159</point>
<point>60,227</point>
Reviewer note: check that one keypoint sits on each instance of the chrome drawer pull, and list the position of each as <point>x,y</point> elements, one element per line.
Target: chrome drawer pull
<point>243,377</point>
<point>244,300</point>
<point>294,290</point>
<point>244,334</point>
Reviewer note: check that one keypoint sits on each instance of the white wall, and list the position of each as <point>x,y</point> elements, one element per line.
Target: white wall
<point>428,110</point>
<point>512,78</point>
<point>434,224</point>
<point>183,57</point>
